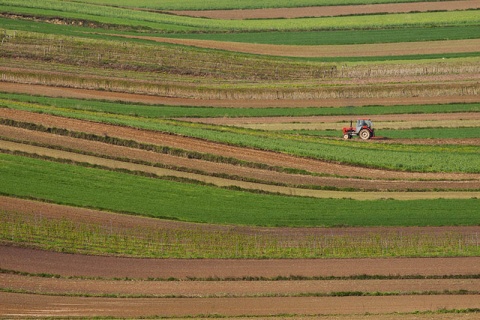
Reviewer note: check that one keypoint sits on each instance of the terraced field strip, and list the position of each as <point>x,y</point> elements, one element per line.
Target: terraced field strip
<point>254,298</point>
<point>37,305</point>
<point>361,50</point>
<point>329,11</point>
<point>230,103</point>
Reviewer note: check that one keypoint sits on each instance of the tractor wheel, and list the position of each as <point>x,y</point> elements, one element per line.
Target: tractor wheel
<point>346,136</point>
<point>365,134</point>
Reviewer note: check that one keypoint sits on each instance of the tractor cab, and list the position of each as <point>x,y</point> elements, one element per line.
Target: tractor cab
<point>364,129</point>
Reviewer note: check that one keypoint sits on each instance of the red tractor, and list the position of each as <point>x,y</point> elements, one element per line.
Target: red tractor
<point>364,130</point>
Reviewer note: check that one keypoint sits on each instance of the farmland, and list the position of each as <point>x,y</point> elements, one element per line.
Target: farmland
<point>185,159</point>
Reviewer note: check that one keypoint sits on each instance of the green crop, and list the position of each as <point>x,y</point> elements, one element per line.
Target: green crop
<point>122,192</point>
<point>132,17</point>
<point>229,4</point>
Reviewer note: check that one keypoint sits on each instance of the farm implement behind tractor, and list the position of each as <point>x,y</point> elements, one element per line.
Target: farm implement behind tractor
<point>364,129</point>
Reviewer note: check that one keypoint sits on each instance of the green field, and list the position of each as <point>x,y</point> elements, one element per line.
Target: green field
<point>157,21</point>
<point>121,192</point>
<point>243,4</point>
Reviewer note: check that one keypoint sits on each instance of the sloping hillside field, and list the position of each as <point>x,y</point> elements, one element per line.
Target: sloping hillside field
<point>186,160</point>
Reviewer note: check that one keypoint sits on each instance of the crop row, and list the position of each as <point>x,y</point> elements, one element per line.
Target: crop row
<point>216,5</point>
<point>341,37</point>
<point>156,21</point>
<point>398,157</point>
<point>165,111</point>
<point>247,92</point>
<point>195,242</point>
<point>133,194</point>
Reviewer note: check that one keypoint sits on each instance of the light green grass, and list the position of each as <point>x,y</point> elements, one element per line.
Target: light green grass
<point>229,4</point>
<point>121,192</point>
<point>132,17</point>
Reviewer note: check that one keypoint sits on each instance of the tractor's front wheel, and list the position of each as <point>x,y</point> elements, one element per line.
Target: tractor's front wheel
<point>347,136</point>
<point>365,134</point>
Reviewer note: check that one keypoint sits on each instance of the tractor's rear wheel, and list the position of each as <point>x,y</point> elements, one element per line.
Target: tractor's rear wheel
<point>365,134</point>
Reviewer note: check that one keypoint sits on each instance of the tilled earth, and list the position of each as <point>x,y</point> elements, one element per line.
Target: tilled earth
<point>102,295</point>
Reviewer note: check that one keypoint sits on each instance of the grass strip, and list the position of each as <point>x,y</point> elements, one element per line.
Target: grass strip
<point>157,20</point>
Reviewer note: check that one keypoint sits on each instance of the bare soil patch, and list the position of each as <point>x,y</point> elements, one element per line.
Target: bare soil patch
<point>34,305</point>
<point>325,11</point>
<point>37,261</point>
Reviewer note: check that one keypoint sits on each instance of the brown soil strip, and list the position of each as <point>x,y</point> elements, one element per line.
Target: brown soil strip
<point>221,182</point>
<point>37,261</point>
<point>360,50</point>
<point>378,125</point>
<point>344,118</point>
<point>222,168</point>
<point>34,305</point>
<point>230,288</point>
<point>258,156</point>
<point>326,11</point>
<point>284,103</point>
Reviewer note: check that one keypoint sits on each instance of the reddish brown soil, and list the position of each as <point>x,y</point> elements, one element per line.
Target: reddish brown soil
<point>205,297</point>
<point>325,11</point>
<point>285,103</point>
<point>29,260</point>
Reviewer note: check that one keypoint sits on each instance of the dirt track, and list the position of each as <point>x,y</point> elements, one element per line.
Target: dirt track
<point>325,11</point>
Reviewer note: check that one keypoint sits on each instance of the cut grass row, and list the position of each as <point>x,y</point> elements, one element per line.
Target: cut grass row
<point>423,158</point>
<point>153,197</point>
<point>156,21</point>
